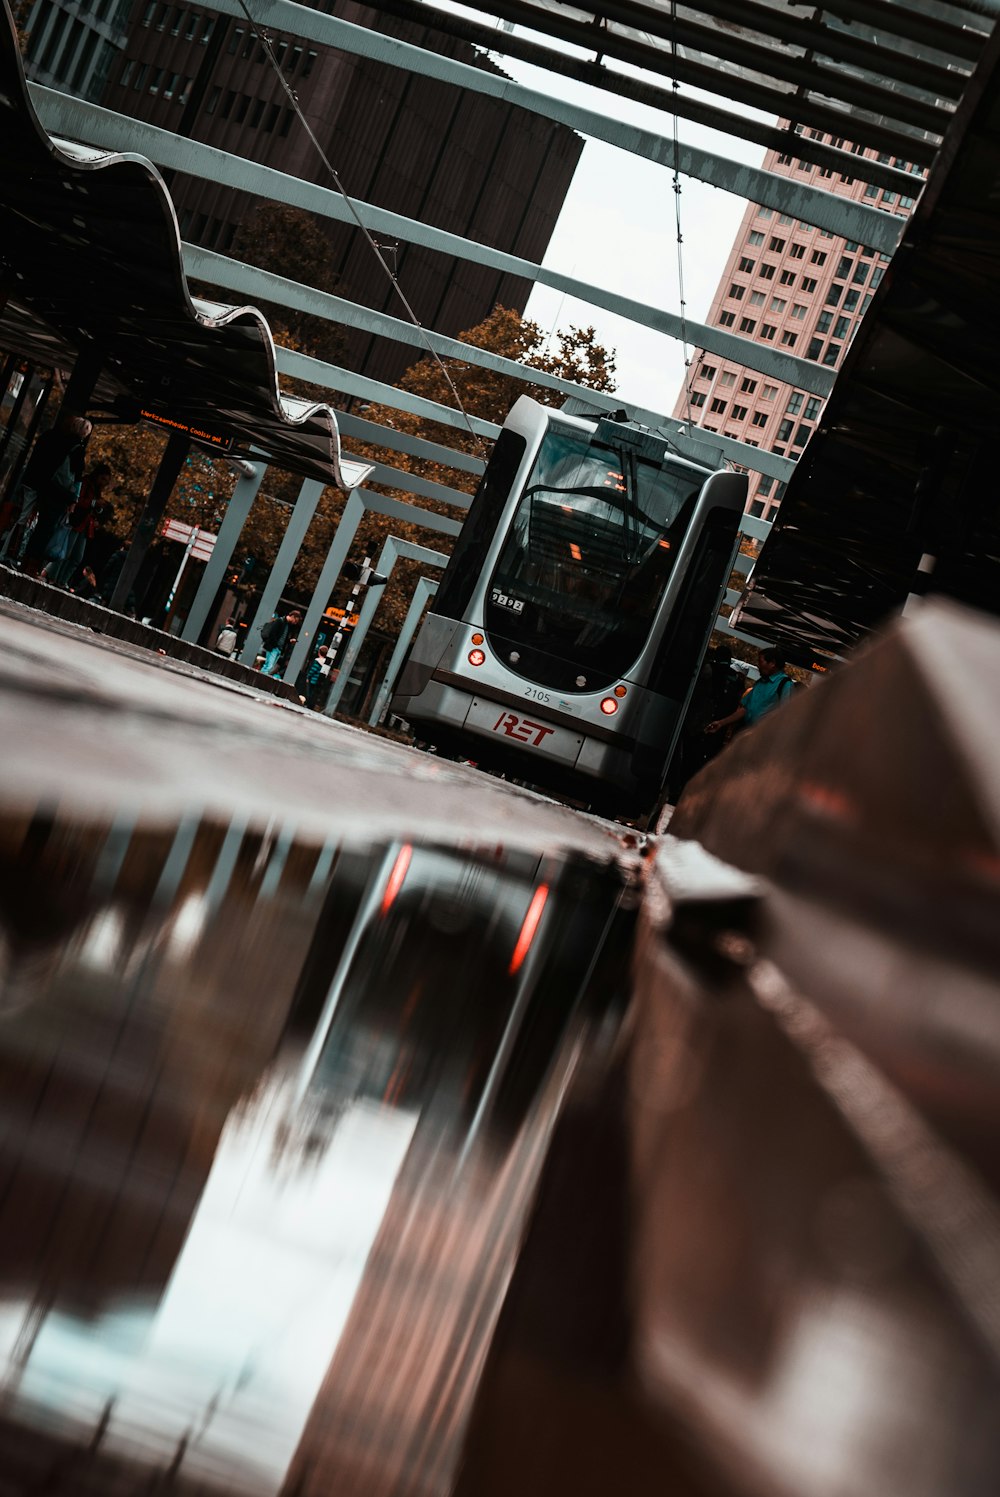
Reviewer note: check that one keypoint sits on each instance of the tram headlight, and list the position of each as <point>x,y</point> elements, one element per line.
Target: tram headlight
<point>478,657</point>
<point>609,706</point>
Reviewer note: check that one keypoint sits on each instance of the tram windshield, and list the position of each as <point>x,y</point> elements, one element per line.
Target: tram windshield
<point>588,555</point>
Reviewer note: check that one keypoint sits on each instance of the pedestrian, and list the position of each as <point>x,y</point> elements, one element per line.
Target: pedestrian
<point>763,697</point>
<point>51,485</point>
<point>277,634</point>
<point>318,678</point>
<point>226,642</point>
<point>85,583</point>
<point>79,528</point>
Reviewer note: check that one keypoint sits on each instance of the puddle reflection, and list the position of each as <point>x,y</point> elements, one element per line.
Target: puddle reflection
<point>251,1090</point>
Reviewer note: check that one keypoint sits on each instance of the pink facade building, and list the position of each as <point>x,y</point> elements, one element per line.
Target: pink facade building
<point>799,288</point>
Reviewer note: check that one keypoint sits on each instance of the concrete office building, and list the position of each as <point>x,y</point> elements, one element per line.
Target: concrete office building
<point>474,166</point>
<point>804,291</point>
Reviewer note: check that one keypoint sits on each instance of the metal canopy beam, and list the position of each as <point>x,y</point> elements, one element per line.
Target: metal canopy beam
<point>333,32</point>
<point>248,281</point>
<point>64,115</point>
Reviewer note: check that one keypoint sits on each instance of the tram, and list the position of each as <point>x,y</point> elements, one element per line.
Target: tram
<point>572,619</point>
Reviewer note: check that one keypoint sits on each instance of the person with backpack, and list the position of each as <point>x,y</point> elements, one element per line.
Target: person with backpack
<point>764,696</point>
<point>275,636</point>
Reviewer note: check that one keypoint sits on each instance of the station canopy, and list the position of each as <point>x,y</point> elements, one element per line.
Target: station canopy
<point>888,73</point>
<point>90,266</point>
<point>897,490</point>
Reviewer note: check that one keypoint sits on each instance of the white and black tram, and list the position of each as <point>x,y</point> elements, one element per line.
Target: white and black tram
<point>572,619</point>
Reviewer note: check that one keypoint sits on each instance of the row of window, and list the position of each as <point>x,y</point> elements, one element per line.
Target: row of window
<point>146,78</point>
<point>291,58</point>
<point>256,113</point>
<point>178,19</point>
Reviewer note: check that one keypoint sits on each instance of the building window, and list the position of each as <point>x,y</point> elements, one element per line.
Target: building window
<point>310,63</point>
<point>747,324</point>
<point>860,273</point>
<point>728,378</point>
<point>698,397</point>
<point>824,322</point>
<point>850,300</point>
<point>787,278</point>
<point>295,59</point>
<point>889,197</point>
<point>756,298</point>
<point>241,108</point>
<point>794,403</point>
<point>826,171</point>
<point>832,353</point>
<point>273,116</point>
<point>803,166</point>
<point>844,268</point>
<point>905,202</point>
<point>227,103</point>
<point>785,160</point>
<point>871,191</point>
<point>126,72</point>
<point>257,113</point>
<point>813,404</point>
<point>736,291</point>
<point>185,223</point>
<point>169,85</point>
<point>798,311</point>
<point>707,371</point>
<point>154,80</point>
<point>815,348</point>
<point>865,303</point>
<point>140,77</point>
<point>717,407</point>
<point>833,295</point>
<point>797,252</point>
<point>767,331</point>
<point>765,484</point>
<point>745,265</point>
<point>755,238</point>
<point>235,41</point>
<point>757,509</point>
<point>767,272</point>
<point>748,386</point>
<point>802,436</point>
<point>739,412</point>
<point>192,26</point>
<point>840,330</point>
<point>789,339</point>
<point>213,100</point>
<point>203,40</point>
<point>769,392</point>
<point>784,219</point>
<point>777,245</point>
<point>759,418</point>
<point>808,284</point>
<point>818,257</point>
<point>777,305</point>
<point>178,18</point>
<point>149,13</point>
<point>876,277</point>
<point>784,431</point>
<point>847,181</point>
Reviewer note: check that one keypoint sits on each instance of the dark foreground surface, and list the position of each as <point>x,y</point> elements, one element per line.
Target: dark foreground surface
<point>369,1126</point>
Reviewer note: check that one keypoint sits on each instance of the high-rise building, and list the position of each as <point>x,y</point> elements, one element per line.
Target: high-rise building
<point>474,166</point>
<point>802,290</point>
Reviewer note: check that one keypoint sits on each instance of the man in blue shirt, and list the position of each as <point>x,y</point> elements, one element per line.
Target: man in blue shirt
<point>766,694</point>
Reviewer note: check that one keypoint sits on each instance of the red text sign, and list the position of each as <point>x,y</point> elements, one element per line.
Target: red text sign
<point>521,728</point>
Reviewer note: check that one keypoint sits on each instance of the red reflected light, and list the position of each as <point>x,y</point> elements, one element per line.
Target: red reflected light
<point>609,706</point>
<point>395,880</point>
<point>476,657</point>
<point>529,927</point>
<point>574,551</point>
<point>664,544</point>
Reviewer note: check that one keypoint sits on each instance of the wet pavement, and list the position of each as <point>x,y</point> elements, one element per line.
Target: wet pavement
<point>287,1020</point>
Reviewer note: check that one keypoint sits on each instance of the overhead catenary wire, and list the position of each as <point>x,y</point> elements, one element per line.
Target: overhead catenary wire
<point>675,86</point>
<point>293,99</point>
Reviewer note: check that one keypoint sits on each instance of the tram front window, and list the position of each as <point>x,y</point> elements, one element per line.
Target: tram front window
<point>587,557</point>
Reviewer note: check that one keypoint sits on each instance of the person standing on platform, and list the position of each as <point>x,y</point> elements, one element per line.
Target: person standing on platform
<point>773,688</point>
<point>275,636</point>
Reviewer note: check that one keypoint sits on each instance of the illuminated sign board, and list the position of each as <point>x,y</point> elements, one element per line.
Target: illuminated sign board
<point>196,433</point>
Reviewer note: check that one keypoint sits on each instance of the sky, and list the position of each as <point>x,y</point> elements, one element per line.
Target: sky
<point>617,229</point>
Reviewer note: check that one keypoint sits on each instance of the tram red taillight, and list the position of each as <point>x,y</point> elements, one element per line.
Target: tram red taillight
<point>609,706</point>
<point>477,657</point>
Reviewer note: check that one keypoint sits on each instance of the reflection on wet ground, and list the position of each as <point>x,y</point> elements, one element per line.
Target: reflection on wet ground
<point>273,1119</point>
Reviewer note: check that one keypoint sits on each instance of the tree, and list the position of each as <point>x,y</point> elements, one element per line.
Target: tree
<point>292,243</point>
